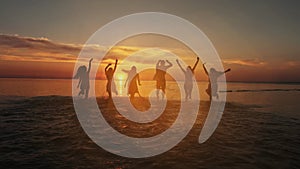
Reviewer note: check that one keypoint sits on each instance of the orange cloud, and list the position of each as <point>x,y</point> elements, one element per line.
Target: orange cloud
<point>245,62</point>
<point>17,48</point>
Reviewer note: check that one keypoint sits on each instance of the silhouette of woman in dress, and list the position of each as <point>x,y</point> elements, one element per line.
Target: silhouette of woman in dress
<point>134,78</point>
<point>84,79</point>
<point>188,82</point>
<point>159,76</point>
<point>111,86</point>
<point>212,88</point>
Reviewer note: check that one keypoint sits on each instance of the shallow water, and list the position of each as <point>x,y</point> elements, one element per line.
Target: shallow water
<point>257,130</point>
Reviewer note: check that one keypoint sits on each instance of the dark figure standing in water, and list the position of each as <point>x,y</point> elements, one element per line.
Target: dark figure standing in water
<point>159,76</point>
<point>188,82</point>
<point>111,86</point>
<point>212,89</point>
<point>84,79</point>
<point>133,78</point>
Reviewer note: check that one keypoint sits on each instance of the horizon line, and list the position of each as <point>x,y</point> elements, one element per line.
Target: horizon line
<point>68,78</point>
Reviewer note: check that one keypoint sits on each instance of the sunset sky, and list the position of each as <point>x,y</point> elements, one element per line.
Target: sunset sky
<point>258,40</point>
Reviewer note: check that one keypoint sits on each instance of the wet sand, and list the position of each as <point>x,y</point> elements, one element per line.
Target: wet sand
<point>44,132</point>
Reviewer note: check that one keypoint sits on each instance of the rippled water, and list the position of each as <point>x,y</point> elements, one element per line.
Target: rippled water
<point>258,130</point>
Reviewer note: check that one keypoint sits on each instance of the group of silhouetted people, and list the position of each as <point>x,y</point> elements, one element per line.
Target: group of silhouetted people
<point>134,80</point>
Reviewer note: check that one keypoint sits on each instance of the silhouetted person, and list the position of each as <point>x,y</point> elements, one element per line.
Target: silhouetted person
<point>84,79</point>
<point>111,86</point>
<point>188,82</point>
<point>159,76</point>
<point>134,78</point>
<point>212,89</point>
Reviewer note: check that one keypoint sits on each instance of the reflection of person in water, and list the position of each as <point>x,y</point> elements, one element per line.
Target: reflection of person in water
<point>159,76</point>
<point>111,86</point>
<point>84,79</point>
<point>188,82</point>
<point>212,89</point>
<point>133,77</point>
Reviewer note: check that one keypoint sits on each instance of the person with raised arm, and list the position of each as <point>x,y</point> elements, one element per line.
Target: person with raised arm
<point>159,76</point>
<point>188,81</point>
<point>111,86</point>
<point>212,88</point>
<point>84,79</point>
<point>134,79</point>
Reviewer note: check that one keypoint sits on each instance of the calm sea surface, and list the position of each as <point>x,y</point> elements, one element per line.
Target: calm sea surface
<point>39,129</point>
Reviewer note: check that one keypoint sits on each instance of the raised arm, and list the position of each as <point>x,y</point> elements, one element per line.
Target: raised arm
<point>107,67</point>
<point>221,73</point>
<point>170,64</point>
<point>126,71</point>
<point>157,64</point>
<point>115,68</point>
<point>195,64</point>
<point>203,65</point>
<point>90,62</point>
<point>180,65</point>
<point>227,70</point>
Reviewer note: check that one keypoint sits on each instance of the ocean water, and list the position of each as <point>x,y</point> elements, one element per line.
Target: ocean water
<point>39,129</point>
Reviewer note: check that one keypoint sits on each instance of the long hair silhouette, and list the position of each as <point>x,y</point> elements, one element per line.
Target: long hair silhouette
<point>84,80</point>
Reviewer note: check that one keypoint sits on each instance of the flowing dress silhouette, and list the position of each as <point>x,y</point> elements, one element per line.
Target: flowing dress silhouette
<point>134,79</point>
